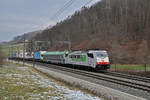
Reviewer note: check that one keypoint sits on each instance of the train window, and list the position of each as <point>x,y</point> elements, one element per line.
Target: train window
<point>66,55</point>
<point>69,56</point>
<point>101,54</point>
<point>90,55</point>
<point>78,56</point>
<point>74,56</point>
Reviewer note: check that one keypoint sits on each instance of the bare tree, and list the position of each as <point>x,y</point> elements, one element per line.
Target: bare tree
<point>117,53</point>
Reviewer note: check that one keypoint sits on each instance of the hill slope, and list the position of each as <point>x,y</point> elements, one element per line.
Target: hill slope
<point>120,26</point>
<point>28,36</point>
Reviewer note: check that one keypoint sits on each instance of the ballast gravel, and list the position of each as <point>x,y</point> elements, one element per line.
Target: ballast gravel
<point>90,84</point>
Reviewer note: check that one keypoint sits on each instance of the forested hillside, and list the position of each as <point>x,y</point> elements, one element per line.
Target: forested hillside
<point>28,36</point>
<point>120,26</point>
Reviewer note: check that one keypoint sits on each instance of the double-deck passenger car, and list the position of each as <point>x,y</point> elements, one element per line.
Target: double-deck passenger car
<point>55,57</point>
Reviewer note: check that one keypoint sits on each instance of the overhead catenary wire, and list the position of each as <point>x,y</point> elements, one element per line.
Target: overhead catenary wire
<point>62,9</point>
<point>66,6</point>
<point>88,2</point>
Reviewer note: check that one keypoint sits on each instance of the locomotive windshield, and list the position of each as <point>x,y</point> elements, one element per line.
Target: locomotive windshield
<point>101,54</point>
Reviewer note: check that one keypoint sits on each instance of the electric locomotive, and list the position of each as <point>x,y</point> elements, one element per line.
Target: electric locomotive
<point>92,58</point>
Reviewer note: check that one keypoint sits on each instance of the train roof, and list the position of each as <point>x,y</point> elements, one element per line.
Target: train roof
<point>97,51</point>
<point>88,51</point>
<point>55,53</point>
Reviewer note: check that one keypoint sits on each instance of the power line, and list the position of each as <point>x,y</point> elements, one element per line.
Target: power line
<point>65,6</point>
<point>62,9</point>
<point>68,4</point>
<point>88,2</point>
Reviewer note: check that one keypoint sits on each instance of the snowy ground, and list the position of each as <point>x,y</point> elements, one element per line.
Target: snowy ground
<point>21,83</point>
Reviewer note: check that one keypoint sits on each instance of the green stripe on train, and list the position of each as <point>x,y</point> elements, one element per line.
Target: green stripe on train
<point>82,59</point>
<point>55,53</point>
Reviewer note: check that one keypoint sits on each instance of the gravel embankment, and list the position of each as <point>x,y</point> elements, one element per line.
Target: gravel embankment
<point>84,83</point>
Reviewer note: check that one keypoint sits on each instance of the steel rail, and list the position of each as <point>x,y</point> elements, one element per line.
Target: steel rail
<point>102,77</point>
<point>132,77</point>
<point>108,78</point>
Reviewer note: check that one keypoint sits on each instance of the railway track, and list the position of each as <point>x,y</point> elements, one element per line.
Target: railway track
<point>132,77</point>
<point>117,78</point>
<point>108,78</point>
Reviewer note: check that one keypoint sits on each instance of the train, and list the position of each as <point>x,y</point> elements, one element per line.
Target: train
<point>95,59</point>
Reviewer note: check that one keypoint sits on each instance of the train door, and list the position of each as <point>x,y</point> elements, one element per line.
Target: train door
<point>91,60</point>
<point>66,58</point>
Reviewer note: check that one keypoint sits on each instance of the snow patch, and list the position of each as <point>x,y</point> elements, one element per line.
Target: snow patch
<point>24,76</point>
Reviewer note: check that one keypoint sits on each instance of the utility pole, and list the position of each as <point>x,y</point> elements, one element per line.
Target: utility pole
<point>23,49</point>
<point>33,44</point>
<point>9,55</point>
<point>12,52</point>
<point>67,42</point>
<point>18,53</point>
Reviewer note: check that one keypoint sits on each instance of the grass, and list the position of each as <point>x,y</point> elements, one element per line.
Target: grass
<point>9,49</point>
<point>131,67</point>
<point>22,83</point>
<point>17,84</point>
<point>5,50</point>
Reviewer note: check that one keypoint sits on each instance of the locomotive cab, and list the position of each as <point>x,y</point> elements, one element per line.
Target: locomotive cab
<point>101,59</point>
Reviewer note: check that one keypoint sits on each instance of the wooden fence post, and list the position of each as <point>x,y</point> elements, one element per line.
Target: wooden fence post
<point>115,67</point>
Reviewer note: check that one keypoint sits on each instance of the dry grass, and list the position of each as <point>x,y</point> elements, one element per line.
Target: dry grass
<point>22,83</point>
<point>17,84</point>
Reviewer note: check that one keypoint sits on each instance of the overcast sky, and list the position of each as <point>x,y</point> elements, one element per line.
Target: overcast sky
<point>21,16</point>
